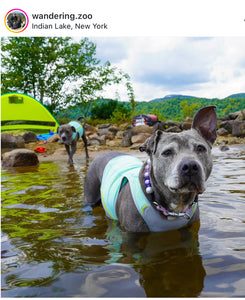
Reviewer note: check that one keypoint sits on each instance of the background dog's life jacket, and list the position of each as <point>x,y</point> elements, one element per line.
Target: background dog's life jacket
<point>79,128</point>
<point>125,168</point>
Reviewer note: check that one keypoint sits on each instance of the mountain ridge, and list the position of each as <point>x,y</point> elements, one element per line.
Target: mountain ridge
<point>173,96</point>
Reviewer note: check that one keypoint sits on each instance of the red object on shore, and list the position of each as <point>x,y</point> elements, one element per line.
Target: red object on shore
<point>40,149</point>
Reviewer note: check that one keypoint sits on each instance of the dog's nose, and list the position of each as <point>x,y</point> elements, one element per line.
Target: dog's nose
<point>189,167</point>
<point>63,138</point>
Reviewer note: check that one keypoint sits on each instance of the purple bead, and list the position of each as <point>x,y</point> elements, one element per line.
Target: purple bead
<point>147,181</point>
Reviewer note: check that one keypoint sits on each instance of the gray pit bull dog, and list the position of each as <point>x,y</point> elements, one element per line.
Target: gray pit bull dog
<point>70,134</point>
<point>162,193</point>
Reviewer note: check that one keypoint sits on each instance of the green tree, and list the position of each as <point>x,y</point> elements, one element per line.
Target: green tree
<point>105,110</point>
<point>188,110</point>
<point>120,116</point>
<point>88,88</point>
<point>34,66</point>
<point>155,111</point>
<point>131,95</point>
<point>56,71</point>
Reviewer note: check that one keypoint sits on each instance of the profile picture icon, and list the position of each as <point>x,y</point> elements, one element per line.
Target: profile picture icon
<point>16,20</point>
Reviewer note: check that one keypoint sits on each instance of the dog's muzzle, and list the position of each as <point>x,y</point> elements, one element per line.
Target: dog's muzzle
<point>191,176</point>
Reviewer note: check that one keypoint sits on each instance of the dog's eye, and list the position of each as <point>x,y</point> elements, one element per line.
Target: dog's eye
<point>201,148</point>
<point>167,152</point>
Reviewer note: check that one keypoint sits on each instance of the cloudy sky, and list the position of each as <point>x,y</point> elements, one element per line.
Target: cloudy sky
<point>158,66</point>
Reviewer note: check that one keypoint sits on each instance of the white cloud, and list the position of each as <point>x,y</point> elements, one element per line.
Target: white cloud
<point>204,67</point>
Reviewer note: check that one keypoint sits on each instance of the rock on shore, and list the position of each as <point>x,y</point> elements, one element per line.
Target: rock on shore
<point>20,158</point>
<point>231,131</point>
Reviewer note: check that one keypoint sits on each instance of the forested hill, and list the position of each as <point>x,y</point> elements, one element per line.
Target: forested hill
<point>169,97</point>
<point>169,107</point>
<point>241,95</point>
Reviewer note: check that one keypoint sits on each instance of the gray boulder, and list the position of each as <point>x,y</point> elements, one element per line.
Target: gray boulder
<point>227,125</point>
<point>29,137</point>
<point>159,126</point>
<point>140,138</point>
<point>185,125</point>
<point>238,128</point>
<point>126,140</point>
<point>106,132</point>
<point>20,158</point>
<point>103,126</point>
<point>240,115</point>
<point>222,132</point>
<point>174,129</point>
<point>141,129</point>
<point>11,141</point>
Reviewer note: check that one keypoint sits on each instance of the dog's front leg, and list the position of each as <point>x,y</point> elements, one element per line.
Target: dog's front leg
<point>70,155</point>
<point>72,151</point>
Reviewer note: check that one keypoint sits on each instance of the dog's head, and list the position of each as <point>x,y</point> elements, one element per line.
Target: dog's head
<point>181,162</point>
<point>66,133</point>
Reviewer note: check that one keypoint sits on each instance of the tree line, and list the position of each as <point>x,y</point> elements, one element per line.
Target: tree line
<point>176,108</point>
<point>179,108</point>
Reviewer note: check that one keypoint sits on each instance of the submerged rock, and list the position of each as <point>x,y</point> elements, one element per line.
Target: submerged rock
<point>224,148</point>
<point>20,158</point>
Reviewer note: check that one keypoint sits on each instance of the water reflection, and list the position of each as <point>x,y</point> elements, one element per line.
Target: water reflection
<point>53,248</point>
<point>169,263</point>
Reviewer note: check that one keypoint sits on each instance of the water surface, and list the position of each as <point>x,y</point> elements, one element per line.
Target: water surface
<point>53,246</point>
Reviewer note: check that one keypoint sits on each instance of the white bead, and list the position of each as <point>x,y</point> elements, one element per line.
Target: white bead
<point>148,161</point>
<point>146,174</point>
<point>149,190</point>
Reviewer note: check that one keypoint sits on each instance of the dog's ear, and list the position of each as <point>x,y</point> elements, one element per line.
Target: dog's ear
<point>205,121</point>
<point>73,128</point>
<point>58,129</point>
<point>150,145</point>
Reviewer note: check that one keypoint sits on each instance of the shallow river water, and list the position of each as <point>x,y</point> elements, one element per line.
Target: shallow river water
<point>52,246</point>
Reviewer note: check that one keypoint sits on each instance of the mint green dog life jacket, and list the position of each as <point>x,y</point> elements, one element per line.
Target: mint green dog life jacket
<point>125,168</point>
<point>78,127</point>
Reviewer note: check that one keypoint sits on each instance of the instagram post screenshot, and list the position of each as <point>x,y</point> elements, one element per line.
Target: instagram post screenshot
<point>123,149</point>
